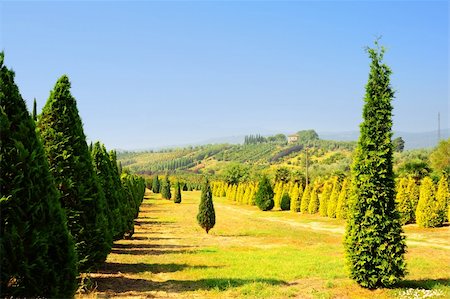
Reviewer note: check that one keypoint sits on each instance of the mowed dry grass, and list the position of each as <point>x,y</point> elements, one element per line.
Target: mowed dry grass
<point>250,254</point>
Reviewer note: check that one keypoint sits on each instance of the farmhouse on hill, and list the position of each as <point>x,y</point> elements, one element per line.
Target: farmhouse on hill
<point>293,138</point>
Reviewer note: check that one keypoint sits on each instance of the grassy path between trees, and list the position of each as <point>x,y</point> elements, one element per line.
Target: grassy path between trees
<point>252,254</point>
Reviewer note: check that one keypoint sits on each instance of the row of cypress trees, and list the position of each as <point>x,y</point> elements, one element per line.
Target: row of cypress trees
<point>55,217</point>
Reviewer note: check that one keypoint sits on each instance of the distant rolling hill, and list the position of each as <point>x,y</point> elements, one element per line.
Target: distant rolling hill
<point>413,140</point>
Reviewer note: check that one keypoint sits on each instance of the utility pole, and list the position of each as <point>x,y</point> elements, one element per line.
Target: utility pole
<point>306,162</point>
<point>439,127</point>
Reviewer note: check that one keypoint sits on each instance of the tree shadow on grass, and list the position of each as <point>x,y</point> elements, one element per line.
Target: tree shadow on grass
<point>151,251</point>
<point>115,268</point>
<point>427,284</point>
<point>125,284</point>
<point>137,236</point>
<point>151,246</point>
<point>151,222</point>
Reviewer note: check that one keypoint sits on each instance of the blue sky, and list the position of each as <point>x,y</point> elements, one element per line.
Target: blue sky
<point>149,74</point>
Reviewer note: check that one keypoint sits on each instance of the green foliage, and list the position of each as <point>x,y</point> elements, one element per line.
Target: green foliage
<point>305,199</point>
<point>374,244</point>
<point>235,173</point>
<point>165,188</point>
<point>134,189</point>
<point>177,198</point>
<point>332,203</point>
<point>313,205</point>
<point>443,195</point>
<point>264,195</point>
<point>440,157</point>
<point>432,207</point>
<point>156,185</point>
<point>71,165</point>
<point>399,144</point>
<point>404,204</point>
<point>324,198</point>
<point>306,136</point>
<point>206,216</point>
<point>37,254</point>
<point>285,204</point>
<point>296,197</point>
<point>342,204</point>
<point>282,174</point>
<point>34,114</point>
<point>105,166</point>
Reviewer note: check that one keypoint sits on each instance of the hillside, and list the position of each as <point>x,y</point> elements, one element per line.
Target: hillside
<point>324,157</point>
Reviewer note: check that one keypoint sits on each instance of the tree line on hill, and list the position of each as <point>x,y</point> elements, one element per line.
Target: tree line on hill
<point>62,202</point>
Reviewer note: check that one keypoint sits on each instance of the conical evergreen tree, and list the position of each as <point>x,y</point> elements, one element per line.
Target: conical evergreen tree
<point>332,204</point>
<point>156,185</point>
<point>34,115</point>
<point>37,254</point>
<point>314,202</point>
<point>324,198</point>
<point>295,202</point>
<point>404,205</point>
<point>413,195</point>
<point>206,216</point>
<point>109,179</point>
<point>342,204</point>
<point>430,212</point>
<point>285,204</point>
<point>375,247</point>
<point>177,198</point>
<point>443,196</point>
<point>71,164</point>
<point>305,199</point>
<point>165,188</point>
<point>264,195</point>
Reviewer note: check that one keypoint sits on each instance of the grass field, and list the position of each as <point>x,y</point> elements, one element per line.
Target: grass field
<point>253,254</point>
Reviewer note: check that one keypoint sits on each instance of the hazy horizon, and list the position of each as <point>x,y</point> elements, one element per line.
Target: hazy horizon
<point>152,74</point>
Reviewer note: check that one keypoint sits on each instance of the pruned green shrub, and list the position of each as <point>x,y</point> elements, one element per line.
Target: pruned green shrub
<point>285,204</point>
<point>264,195</point>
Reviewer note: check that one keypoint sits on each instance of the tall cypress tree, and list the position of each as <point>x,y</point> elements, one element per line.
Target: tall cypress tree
<point>375,247</point>
<point>177,198</point>
<point>71,164</point>
<point>156,185</point>
<point>37,253</point>
<point>165,188</point>
<point>206,216</point>
<point>264,195</point>
<point>34,115</point>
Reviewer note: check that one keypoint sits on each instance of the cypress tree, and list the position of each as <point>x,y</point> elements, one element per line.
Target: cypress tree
<point>413,195</point>
<point>404,205</point>
<point>37,254</point>
<point>443,196</point>
<point>324,198</point>
<point>374,244</point>
<point>206,216</point>
<point>305,199</point>
<point>332,204</point>
<point>285,204</point>
<point>264,195</point>
<point>71,165</point>
<point>313,206</point>
<point>342,205</point>
<point>295,202</point>
<point>105,166</point>
<point>34,115</point>
<point>177,198</point>
<point>165,189</point>
<point>430,212</point>
<point>156,185</point>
